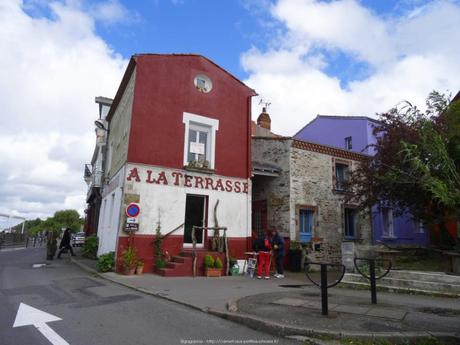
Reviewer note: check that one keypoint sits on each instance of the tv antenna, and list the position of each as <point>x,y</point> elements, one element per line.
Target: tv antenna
<point>264,103</point>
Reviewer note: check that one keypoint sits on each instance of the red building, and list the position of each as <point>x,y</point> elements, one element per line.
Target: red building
<point>179,146</point>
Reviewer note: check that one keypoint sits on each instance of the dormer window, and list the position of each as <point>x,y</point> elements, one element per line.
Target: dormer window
<point>348,143</point>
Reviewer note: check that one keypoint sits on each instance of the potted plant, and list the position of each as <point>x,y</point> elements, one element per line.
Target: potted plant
<point>295,256</point>
<point>129,260</point>
<point>212,267</point>
<point>140,267</point>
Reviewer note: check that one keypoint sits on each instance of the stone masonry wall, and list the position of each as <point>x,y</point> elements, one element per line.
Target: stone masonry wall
<point>273,152</point>
<point>312,185</point>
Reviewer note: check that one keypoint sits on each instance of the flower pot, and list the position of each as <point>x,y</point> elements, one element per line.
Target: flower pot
<point>129,271</point>
<point>140,270</point>
<point>213,272</point>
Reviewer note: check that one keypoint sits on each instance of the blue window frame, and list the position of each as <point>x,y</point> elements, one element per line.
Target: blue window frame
<point>341,176</point>
<point>306,219</point>
<point>350,216</point>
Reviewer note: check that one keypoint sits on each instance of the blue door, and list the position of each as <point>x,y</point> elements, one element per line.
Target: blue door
<point>305,225</point>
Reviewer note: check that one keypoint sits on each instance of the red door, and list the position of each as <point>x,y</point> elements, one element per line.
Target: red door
<point>259,218</point>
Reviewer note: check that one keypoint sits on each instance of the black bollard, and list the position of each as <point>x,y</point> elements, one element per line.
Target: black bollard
<point>372,281</point>
<point>372,276</point>
<point>324,304</point>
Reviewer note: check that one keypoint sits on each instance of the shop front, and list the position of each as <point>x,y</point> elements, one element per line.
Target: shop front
<point>175,201</point>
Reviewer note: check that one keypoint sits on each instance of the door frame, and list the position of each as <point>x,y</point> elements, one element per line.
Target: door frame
<point>205,221</point>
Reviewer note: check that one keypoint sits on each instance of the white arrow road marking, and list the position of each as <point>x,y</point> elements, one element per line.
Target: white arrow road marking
<point>28,315</point>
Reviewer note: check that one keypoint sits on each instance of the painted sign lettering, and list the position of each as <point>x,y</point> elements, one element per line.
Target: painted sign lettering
<point>177,178</point>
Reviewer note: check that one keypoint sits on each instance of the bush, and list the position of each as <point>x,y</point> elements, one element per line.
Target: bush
<point>129,257</point>
<point>89,249</point>
<point>106,262</point>
<point>160,263</point>
<point>218,263</point>
<point>208,261</point>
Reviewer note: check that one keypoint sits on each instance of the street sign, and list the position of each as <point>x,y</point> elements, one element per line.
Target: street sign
<point>132,220</point>
<point>133,210</point>
<point>131,227</point>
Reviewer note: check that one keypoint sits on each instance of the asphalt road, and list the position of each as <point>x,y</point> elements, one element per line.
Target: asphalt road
<point>97,312</point>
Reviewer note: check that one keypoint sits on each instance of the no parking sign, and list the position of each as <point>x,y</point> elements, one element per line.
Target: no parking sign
<point>132,223</point>
<point>133,210</point>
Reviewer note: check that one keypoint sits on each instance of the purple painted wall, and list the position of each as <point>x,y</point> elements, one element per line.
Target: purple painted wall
<point>332,131</point>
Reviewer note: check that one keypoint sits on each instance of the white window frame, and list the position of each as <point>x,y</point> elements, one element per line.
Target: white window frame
<point>390,231</point>
<point>190,120</point>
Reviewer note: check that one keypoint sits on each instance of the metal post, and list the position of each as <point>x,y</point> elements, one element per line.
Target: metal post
<point>324,303</point>
<point>372,281</point>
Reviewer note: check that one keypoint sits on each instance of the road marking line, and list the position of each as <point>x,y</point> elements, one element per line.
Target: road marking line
<point>30,316</point>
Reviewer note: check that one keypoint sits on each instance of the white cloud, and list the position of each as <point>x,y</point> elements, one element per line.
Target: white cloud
<point>52,68</point>
<point>406,56</point>
<point>111,12</point>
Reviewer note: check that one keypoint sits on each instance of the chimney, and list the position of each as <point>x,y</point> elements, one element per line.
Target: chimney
<point>264,120</point>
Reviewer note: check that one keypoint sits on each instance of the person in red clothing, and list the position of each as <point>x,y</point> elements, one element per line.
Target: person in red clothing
<point>263,247</point>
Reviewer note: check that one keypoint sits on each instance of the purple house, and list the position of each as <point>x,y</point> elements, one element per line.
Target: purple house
<point>355,133</point>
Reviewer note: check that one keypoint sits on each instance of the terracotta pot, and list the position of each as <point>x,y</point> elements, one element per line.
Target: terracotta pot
<point>129,271</point>
<point>140,270</point>
<point>213,272</point>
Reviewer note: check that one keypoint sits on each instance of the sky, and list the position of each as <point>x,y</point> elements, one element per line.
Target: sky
<point>305,57</point>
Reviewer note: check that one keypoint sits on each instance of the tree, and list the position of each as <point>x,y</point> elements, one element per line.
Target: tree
<point>416,163</point>
<point>68,219</point>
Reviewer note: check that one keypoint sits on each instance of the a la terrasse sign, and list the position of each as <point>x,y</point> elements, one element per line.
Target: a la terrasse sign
<point>184,179</point>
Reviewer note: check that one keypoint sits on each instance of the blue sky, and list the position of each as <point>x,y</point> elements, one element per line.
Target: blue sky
<point>306,57</point>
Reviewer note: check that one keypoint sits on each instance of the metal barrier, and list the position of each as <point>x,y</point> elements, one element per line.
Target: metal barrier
<point>372,276</point>
<point>323,284</point>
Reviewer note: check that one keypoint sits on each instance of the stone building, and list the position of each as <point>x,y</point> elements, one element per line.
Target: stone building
<point>298,189</point>
<point>355,134</point>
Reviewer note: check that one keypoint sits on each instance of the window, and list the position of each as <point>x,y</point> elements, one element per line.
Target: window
<point>203,83</point>
<point>419,227</point>
<point>350,217</point>
<point>341,176</point>
<point>387,216</point>
<point>200,139</point>
<point>306,222</point>
<point>348,143</point>
<point>198,143</point>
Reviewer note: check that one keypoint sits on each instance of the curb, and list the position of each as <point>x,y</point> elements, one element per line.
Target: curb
<point>278,329</point>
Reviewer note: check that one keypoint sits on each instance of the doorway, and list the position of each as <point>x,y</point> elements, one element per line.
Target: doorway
<point>195,215</point>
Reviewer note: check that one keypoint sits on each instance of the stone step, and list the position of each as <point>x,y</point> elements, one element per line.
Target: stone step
<point>182,259</point>
<point>440,277</point>
<point>407,284</point>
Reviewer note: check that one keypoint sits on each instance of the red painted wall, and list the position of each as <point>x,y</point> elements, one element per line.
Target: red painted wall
<point>174,245</point>
<point>164,90</point>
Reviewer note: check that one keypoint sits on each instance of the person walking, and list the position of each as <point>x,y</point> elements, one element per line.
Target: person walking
<point>263,248</point>
<point>277,244</point>
<point>65,243</point>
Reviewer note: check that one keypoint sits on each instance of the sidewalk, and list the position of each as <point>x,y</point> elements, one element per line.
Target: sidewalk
<point>292,306</point>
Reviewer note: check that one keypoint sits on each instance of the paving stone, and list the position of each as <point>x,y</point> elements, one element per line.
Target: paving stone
<point>351,309</point>
<point>387,313</point>
<point>292,302</point>
<point>317,305</point>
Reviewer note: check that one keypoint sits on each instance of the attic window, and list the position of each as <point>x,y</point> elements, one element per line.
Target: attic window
<point>203,83</point>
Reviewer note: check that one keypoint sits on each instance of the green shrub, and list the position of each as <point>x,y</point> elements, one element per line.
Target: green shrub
<point>160,263</point>
<point>208,261</point>
<point>106,262</point>
<point>89,249</point>
<point>129,257</point>
<point>218,263</point>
